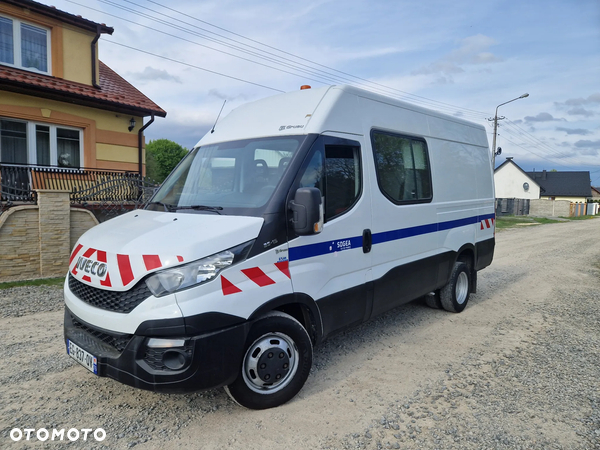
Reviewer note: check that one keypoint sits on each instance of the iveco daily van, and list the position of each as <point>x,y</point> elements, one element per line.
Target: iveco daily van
<point>298,216</point>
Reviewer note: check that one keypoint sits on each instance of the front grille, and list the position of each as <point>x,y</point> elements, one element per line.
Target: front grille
<point>115,340</point>
<point>121,302</point>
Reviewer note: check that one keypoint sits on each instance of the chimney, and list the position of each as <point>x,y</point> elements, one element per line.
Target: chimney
<point>544,175</point>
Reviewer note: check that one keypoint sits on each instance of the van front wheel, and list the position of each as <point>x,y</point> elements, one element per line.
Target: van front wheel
<point>276,363</point>
<point>455,294</point>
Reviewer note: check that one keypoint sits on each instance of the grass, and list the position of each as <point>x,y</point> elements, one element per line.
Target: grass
<point>38,282</point>
<point>515,221</point>
<point>580,217</point>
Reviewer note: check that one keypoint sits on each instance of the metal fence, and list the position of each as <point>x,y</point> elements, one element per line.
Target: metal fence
<point>512,207</point>
<point>107,193</point>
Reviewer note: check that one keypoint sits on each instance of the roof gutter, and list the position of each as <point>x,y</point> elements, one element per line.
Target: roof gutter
<point>94,56</point>
<point>140,142</point>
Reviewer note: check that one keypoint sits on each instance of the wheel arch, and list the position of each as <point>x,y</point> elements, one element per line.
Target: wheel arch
<point>301,307</point>
<point>468,254</point>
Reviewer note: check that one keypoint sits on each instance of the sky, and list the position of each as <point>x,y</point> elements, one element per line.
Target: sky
<point>460,57</point>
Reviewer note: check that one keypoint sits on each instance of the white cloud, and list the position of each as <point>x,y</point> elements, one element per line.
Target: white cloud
<point>472,50</point>
<point>152,74</point>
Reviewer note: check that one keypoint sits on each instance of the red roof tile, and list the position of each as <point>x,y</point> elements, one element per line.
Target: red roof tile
<point>115,94</point>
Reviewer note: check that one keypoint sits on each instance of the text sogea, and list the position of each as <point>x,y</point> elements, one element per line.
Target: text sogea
<point>42,434</point>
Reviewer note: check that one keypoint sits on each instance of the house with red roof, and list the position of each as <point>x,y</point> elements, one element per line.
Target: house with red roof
<point>60,106</point>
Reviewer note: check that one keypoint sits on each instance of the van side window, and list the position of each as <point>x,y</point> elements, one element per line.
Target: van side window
<point>402,166</point>
<point>337,175</point>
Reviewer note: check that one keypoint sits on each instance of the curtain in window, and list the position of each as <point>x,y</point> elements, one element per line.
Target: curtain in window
<point>34,52</point>
<point>67,147</point>
<point>6,41</point>
<point>42,144</point>
<point>13,142</point>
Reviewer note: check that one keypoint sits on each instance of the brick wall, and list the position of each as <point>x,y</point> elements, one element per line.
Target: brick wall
<point>36,240</point>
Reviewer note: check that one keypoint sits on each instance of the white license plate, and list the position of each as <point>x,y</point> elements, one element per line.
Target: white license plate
<point>86,359</point>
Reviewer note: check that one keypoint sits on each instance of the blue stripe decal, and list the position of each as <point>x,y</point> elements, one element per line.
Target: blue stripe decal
<point>457,223</point>
<point>322,248</point>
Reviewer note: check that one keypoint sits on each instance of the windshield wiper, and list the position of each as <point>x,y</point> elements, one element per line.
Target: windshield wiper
<point>168,208</point>
<point>201,208</point>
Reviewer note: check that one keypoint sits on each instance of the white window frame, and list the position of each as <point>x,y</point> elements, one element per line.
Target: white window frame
<point>17,45</point>
<point>31,142</point>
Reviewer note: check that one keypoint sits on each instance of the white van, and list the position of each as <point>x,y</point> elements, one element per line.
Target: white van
<point>298,216</point>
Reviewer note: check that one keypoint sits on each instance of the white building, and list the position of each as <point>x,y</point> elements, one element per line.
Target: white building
<point>512,182</point>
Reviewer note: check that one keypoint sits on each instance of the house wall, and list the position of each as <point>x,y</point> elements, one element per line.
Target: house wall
<point>36,240</point>
<point>509,184</point>
<point>107,142</point>
<point>77,59</point>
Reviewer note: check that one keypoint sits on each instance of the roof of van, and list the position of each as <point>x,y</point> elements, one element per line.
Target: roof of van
<point>331,108</point>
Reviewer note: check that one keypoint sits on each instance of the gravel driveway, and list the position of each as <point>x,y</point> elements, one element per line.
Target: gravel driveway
<point>519,368</point>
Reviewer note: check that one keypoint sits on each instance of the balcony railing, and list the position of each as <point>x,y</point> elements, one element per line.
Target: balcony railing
<point>95,189</point>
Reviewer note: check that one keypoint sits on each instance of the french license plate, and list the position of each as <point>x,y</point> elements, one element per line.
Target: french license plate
<point>86,359</point>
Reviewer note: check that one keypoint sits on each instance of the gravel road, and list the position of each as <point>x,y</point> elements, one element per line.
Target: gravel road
<point>518,369</point>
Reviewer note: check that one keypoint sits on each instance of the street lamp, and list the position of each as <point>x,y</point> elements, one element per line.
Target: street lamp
<point>496,125</point>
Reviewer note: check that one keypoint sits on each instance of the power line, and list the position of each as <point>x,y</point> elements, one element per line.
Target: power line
<point>193,66</point>
<point>478,113</point>
<point>322,77</point>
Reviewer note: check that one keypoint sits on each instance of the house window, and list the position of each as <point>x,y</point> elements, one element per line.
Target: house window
<point>24,46</point>
<point>40,144</point>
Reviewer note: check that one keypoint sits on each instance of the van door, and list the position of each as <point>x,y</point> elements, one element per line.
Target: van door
<point>332,266</point>
<point>405,253</point>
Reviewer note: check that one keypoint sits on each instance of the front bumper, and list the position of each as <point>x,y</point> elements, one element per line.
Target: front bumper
<point>211,360</point>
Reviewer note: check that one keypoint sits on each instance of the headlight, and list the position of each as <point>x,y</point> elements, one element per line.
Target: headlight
<point>197,272</point>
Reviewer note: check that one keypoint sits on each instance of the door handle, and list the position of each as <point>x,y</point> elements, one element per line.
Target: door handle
<point>367,241</point>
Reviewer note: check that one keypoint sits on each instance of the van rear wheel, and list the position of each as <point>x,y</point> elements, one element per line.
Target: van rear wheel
<point>455,294</point>
<point>276,363</point>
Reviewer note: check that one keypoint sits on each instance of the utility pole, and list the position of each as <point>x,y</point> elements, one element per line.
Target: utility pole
<point>496,119</point>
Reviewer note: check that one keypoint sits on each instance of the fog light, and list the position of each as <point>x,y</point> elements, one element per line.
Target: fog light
<point>175,359</point>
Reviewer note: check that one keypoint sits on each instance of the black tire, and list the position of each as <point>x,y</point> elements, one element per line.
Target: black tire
<point>433,300</point>
<point>276,363</point>
<point>455,294</point>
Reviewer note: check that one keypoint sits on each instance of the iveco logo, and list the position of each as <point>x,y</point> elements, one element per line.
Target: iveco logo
<point>92,267</point>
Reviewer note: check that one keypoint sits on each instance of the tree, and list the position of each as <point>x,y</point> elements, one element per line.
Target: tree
<point>162,155</point>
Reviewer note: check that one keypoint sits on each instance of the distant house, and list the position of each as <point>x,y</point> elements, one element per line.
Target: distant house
<point>513,182</point>
<point>595,193</point>
<point>572,186</point>
<point>60,106</point>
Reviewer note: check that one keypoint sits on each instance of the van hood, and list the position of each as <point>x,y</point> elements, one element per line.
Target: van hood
<point>116,254</point>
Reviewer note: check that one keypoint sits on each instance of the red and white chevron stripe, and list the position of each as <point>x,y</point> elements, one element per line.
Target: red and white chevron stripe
<point>260,276</point>
<point>487,223</point>
<point>103,269</point>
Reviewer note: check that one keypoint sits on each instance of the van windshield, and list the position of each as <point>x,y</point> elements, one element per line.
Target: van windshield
<point>236,174</point>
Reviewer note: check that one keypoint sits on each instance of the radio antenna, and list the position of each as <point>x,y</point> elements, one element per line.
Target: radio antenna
<point>213,128</point>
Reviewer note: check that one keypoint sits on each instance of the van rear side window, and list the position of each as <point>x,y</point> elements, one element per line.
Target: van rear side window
<point>402,166</point>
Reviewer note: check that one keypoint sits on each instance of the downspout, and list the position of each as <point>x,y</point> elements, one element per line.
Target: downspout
<point>140,142</point>
<point>94,80</point>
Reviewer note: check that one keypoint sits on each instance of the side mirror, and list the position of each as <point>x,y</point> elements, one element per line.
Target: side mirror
<point>307,211</point>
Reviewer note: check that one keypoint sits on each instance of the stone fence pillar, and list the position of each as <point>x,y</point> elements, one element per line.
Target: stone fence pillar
<point>55,231</point>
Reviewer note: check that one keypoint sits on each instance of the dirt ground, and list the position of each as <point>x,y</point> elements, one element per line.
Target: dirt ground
<point>519,368</point>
